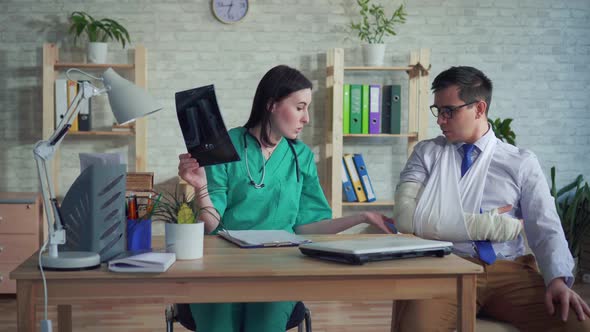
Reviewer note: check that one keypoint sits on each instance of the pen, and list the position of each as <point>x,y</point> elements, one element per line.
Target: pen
<point>152,207</point>
<point>135,206</point>
<point>391,227</point>
<point>132,207</point>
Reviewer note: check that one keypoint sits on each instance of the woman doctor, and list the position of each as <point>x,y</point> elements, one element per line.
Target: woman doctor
<point>274,186</point>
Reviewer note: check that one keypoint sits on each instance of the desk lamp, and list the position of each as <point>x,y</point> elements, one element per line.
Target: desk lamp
<point>128,102</point>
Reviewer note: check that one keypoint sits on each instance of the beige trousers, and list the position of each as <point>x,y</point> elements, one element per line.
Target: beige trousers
<point>508,291</point>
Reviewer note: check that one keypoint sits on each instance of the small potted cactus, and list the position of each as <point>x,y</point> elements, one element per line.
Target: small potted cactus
<point>184,230</point>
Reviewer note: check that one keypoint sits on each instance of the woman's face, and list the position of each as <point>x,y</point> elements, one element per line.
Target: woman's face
<point>291,114</point>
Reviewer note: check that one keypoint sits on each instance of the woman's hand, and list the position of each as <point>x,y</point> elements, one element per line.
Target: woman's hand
<point>190,171</point>
<point>382,222</point>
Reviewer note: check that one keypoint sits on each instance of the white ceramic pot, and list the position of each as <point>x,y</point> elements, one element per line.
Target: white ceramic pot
<point>97,52</point>
<point>185,240</point>
<point>373,54</point>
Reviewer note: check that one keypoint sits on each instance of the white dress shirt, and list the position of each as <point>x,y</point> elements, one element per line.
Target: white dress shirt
<point>514,178</point>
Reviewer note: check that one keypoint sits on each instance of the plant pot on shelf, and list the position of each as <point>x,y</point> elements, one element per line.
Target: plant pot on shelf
<point>373,54</point>
<point>185,240</point>
<point>97,52</point>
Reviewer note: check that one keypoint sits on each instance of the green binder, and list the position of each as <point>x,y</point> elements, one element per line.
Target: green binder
<point>365,110</point>
<point>355,108</point>
<point>386,109</point>
<point>396,109</point>
<point>346,110</point>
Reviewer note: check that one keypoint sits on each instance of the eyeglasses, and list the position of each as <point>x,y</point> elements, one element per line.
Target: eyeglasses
<point>447,111</point>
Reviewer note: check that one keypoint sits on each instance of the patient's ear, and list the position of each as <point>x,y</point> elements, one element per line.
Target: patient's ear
<point>480,109</point>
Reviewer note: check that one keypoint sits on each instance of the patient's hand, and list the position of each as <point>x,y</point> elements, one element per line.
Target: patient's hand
<point>493,225</point>
<point>504,209</point>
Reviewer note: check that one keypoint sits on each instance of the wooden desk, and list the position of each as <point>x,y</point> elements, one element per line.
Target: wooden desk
<point>229,274</point>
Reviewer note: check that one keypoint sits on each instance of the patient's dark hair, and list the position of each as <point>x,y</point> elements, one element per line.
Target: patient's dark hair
<point>473,84</point>
<point>276,85</point>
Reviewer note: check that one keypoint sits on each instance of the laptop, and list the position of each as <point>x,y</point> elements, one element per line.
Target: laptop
<point>360,251</point>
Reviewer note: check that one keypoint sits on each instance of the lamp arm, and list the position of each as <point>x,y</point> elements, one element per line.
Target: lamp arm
<point>44,151</point>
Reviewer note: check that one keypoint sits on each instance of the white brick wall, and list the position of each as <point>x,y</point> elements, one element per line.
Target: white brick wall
<point>535,51</point>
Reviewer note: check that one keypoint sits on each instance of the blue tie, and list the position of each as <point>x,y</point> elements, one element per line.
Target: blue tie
<point>484,248</point>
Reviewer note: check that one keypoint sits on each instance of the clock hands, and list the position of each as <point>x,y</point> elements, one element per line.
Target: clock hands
<point>229,6</point>
<point>234,10</point>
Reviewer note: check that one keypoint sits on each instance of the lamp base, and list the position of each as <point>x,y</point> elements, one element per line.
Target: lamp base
<point>71,261</point>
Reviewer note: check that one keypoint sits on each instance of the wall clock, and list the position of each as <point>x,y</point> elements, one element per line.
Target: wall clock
<point>229,11</point>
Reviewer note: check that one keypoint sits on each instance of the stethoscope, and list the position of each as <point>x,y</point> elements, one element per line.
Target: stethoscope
<point>261,184</point>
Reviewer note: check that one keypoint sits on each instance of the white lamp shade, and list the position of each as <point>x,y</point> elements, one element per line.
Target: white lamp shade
<point>128,101</point>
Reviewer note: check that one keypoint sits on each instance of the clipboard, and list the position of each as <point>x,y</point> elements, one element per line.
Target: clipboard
<point>262,238</point>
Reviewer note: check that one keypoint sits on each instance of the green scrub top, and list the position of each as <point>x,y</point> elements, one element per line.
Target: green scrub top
<point>283,203</point>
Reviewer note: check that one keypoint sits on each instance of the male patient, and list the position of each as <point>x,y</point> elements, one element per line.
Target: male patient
<point>477,191</point>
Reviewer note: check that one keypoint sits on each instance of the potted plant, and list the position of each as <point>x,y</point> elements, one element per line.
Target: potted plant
<point>373,26</point>
<point>184,230</point>
<point>573,206</point>
<point>98,32</point>
<point>503,131</point>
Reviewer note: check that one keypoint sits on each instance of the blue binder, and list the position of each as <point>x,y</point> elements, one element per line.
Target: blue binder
<point>347,190</point>
<point>361,169</point>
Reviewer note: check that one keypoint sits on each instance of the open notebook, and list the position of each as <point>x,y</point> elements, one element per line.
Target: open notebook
<point>360,251</point>
<point>262,238</point>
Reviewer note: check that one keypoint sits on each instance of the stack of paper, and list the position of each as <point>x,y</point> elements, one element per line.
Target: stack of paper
<point>145,262</point>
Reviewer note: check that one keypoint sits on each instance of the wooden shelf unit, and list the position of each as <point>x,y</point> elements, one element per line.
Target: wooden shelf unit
<point>417,115</point>
<point>51,69</point>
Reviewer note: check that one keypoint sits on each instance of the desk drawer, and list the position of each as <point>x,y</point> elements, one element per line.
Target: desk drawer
<point>19,219</point>
<point>17,248</point>
<point>7,285</point>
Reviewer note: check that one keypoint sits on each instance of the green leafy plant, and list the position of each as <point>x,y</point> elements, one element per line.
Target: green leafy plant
<point>573,206</point>
<point>374,24</point>
<point>503,131</point>
<point>101,30</point>
<point>178,208</point>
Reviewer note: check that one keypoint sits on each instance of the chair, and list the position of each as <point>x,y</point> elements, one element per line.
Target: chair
<point>181,312</point>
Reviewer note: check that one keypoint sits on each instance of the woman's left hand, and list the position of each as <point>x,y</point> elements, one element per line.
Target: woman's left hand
<point>382,222</point>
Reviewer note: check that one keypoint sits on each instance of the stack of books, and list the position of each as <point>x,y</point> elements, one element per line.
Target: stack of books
<point>123,128</point>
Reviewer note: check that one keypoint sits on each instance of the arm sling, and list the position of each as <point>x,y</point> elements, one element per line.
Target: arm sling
<point>440,210</point>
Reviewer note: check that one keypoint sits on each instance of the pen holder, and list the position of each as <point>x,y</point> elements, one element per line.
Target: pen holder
<point>139,234</point>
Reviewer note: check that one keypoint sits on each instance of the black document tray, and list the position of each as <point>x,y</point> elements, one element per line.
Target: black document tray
<point>204,132</point>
